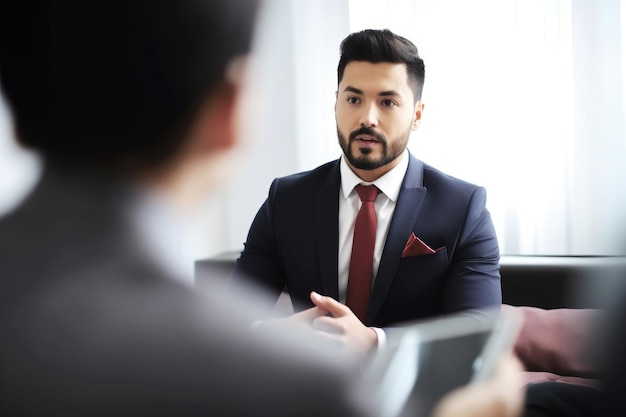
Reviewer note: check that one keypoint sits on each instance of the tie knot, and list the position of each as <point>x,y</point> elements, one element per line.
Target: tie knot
<point>367,192</point>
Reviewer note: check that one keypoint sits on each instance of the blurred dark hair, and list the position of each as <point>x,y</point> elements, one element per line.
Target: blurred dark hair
<point>115,82</point>
<point>377,46</point>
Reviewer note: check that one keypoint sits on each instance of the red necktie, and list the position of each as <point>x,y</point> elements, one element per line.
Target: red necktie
<point>361,262</point>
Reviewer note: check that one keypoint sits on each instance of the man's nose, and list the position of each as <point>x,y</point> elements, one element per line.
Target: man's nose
<point>369,116</point>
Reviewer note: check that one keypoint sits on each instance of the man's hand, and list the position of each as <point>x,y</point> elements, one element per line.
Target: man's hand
<point>342,325</point>
<point>331,320</point>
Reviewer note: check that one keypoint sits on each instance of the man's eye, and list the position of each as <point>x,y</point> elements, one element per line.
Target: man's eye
<point>353,100</point>
<point>388,103</point>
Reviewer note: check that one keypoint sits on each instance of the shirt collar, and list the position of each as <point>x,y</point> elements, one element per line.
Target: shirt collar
<point>389,184</point>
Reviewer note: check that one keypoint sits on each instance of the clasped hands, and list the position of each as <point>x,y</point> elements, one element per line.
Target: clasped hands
<point>501,396</point>
<point>335,322</point>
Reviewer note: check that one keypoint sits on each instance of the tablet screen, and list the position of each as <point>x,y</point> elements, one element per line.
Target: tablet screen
<point>426,360</point>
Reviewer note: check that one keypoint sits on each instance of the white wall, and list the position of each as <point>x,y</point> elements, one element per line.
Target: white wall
<point>292,125</point>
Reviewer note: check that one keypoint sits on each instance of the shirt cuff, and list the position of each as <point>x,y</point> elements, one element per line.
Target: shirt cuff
<point>382,337</point>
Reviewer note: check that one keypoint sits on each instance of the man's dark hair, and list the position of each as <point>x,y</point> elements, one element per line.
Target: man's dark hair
<point>115,82</point>
<point>377,46</point>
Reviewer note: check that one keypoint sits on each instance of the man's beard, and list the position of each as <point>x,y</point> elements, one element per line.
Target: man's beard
<point>363,160</point>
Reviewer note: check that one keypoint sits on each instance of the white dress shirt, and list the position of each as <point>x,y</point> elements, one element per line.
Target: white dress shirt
<point>349,205</point>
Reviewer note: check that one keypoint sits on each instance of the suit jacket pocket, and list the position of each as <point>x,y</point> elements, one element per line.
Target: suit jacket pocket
<point>423,265</point>
<point>416,289</point>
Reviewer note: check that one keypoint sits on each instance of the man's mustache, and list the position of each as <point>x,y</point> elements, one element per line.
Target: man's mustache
<point>367,131</point>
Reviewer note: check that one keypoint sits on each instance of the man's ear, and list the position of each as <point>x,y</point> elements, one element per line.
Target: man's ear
<point>417,117</point>
<point>215,126</point>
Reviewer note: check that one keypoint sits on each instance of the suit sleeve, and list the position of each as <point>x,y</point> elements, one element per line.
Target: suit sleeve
<point>259,263</point>
<point>474,275</point>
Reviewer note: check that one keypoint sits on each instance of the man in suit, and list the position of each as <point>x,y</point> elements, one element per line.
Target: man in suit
<point>435,249</point>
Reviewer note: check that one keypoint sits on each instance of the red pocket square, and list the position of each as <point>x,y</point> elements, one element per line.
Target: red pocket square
<point>414,246</point>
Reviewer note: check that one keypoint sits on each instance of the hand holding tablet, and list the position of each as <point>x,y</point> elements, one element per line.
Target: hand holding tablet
<point>426,360</point>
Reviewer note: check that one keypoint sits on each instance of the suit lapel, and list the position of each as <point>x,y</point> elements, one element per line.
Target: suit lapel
<point>327,229</point>
<point>408,206</point>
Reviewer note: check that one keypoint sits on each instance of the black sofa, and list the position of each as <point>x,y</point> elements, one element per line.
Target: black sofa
<point>547,282</point>
<point>551,282</point>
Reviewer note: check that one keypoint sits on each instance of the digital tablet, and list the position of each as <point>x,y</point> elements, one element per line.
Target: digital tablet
<point>424,361</point>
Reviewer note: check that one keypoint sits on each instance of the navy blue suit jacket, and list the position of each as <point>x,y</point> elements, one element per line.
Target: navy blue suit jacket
<point>293,244</point>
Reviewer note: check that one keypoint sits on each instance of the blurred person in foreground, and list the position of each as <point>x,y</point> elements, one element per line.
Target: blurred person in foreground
<point>133,108</point>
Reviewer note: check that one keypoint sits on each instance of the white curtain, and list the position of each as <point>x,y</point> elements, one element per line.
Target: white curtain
<point>525,97</point>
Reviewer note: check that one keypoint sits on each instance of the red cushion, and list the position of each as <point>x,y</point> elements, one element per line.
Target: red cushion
<point>557,341</point>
